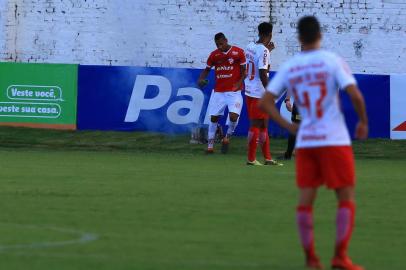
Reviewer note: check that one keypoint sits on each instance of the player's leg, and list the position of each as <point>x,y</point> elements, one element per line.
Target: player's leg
<point>216,108</point>
<point>234,103</point>
<point>253,137</point>
<point>344,219</point>
<point>212,133</point>
<point>304,219</point>
<point>295,118</point>
<point>344,227</point>
<point>264,139</point>
<point>232,123</point>
<point>253,132</point>
<point>264,142</point>
<point>338,168</point>
<point>291,145</point>
<point>308,180</point>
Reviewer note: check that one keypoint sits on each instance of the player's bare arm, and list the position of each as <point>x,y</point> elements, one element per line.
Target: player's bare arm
<point>267,103</point>
<point>202,78</point>
<point>361,131</point>
<point>263,75</point>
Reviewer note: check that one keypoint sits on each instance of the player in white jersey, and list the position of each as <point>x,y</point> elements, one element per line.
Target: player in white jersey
<point>257,55</point>
<point>324,153</point>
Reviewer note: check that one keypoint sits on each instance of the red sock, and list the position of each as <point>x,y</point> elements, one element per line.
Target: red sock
<point>264,142</point>
<point>304,219</point>
<point>345,224</point>
<point>253,135</point>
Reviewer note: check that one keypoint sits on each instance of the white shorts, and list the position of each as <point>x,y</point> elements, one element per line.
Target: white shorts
<point>220,100</point>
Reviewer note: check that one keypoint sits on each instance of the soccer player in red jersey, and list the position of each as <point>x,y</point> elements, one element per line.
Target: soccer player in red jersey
<point>229,67</point>
<point>323,146</point>
<point>258,56</point>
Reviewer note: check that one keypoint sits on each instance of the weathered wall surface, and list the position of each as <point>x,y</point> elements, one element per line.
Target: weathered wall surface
<point>171,33</point>
<point>369,34</point>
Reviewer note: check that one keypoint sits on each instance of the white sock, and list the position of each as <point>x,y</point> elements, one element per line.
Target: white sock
<point>231,128</point>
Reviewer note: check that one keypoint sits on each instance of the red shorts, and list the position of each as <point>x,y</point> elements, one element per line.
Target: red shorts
<point>254,112</point>
<point>332,166</point>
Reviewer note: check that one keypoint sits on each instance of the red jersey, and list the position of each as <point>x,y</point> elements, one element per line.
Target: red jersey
<point>227,68</point>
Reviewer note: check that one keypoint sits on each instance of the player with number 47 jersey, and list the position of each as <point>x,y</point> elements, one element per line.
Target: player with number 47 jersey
<point>323,146</point>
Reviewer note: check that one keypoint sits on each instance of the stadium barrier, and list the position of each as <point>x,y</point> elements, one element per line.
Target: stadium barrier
<point>163,100</point>
<point>398,107</point>
<point>168,100</point>
<point>38,95</point>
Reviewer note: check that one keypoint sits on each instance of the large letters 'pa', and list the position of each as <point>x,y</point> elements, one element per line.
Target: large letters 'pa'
<point>138,102</point>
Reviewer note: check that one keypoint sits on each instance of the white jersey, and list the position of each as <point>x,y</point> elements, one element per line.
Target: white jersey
<point>314,79</point>
<point>257,58</point>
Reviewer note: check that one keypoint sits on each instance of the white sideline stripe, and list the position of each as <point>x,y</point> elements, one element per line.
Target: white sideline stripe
<point>84,237</point>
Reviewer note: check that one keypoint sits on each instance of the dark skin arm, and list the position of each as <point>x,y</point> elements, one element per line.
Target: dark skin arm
<point>357,100</point>
<point>201,81</point>
<point>267,104</point>
<point>263,75</point>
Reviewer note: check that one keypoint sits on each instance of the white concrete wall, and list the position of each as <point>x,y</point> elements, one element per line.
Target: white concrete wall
<point>369,34</point>
<point>169,33</point>
<point>3,29</point>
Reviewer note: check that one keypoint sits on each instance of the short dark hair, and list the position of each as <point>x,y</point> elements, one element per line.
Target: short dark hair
<point>265,28</point>
<point>219,36</point>
<point>309,29</point>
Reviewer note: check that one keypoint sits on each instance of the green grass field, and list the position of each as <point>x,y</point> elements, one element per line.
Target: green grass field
<point>93,200</point>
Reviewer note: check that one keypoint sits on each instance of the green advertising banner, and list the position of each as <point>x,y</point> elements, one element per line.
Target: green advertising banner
<point>38,95</point>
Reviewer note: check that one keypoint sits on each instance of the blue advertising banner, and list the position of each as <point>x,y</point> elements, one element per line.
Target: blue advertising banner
<point>133,98</point>
<point>376,91</point>
<point>168,100</point>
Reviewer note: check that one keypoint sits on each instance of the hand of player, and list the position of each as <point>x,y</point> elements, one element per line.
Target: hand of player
<point>270,46</point>
<point>361,131</point>
<point>237,85</point>
<point>202,83</point>
<point>288,105</point>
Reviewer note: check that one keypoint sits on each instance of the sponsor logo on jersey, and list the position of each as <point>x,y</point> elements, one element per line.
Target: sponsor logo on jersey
<point>300,68</point>
<point>314,137</point>
<point>219,68</point>
<point>234,53</point>
<point>224,76</point>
